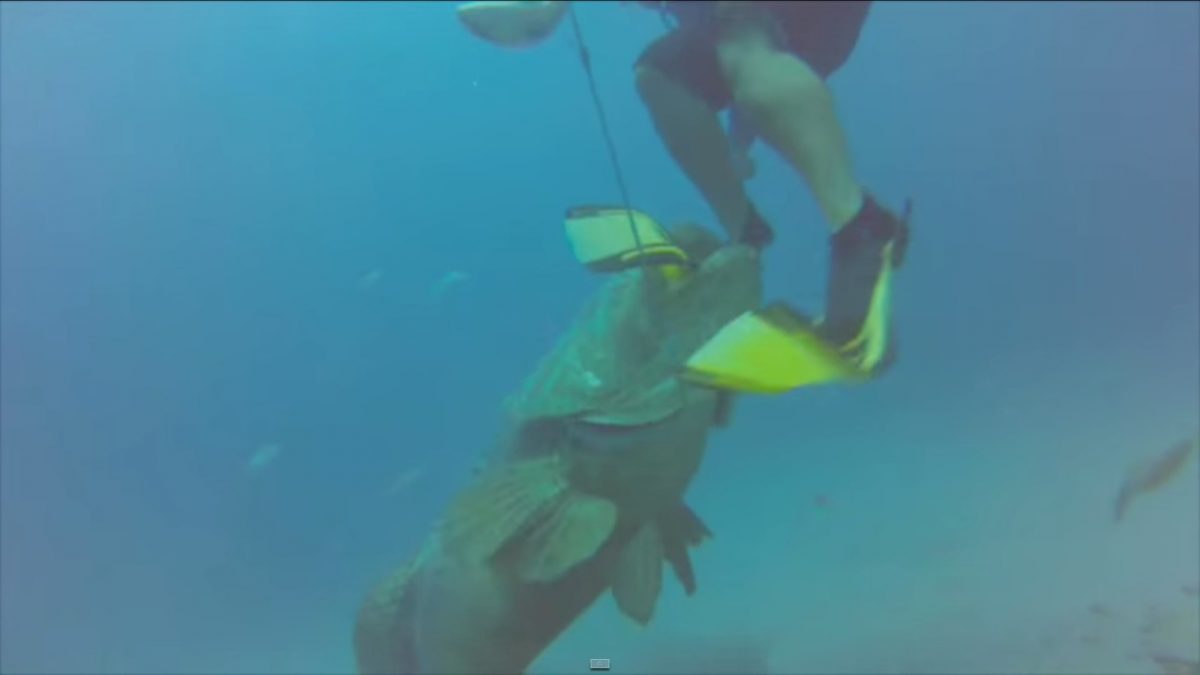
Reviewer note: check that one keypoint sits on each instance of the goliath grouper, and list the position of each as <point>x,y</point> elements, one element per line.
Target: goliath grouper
<point>585,491</point>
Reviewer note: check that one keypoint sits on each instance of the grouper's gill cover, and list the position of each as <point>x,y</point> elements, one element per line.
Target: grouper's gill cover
<point>617,364</point>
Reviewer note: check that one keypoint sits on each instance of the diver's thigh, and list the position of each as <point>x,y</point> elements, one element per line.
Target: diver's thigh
<point>822,34</point>
<point>688,57</point>
<point>747,42</point>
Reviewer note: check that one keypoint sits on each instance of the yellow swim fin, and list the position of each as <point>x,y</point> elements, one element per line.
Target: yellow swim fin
<point>769,351</point>
<point>603,239</point>
<point>870,348</point>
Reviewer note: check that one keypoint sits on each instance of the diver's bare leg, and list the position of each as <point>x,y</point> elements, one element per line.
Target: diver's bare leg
<point>694,137</point>
<point>790,106</point>
<point>793,110</point>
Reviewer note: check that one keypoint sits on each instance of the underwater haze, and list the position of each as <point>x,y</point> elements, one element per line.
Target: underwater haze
<point>269,269</point>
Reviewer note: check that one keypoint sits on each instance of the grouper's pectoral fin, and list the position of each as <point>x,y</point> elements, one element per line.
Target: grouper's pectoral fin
<point>501,504</point>
<point>680,529</point>
<point>637,580</point>
<point>568,534</point>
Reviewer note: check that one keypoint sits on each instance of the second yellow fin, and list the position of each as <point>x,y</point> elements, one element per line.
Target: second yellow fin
<point>602,238</point>
<point>768,351</point>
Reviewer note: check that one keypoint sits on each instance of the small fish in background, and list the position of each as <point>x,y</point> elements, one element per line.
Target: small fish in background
<point>370,279</point>
<point>448,281</point>
<point>821,501</point>
<point>1091,639</point>
<point>1171,638</point>
<point>1189,589</point>
<point>1100,628</point>
<point>263,457</point>
<point>1151,474</point>
<point>404,481</point>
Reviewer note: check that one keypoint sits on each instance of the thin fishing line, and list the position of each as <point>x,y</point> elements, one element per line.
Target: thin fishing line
<point>586,59</point>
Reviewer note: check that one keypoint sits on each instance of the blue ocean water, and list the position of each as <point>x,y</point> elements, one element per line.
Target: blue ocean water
<point>329,236</point>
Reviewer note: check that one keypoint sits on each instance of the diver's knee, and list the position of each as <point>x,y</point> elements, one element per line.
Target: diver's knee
<point>763,81</point>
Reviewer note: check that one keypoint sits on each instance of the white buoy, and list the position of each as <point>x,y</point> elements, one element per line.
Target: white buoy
<point>512,23</point>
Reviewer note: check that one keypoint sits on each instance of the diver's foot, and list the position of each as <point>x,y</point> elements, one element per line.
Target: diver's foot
<point>756,232</point>
<point>865,252</point>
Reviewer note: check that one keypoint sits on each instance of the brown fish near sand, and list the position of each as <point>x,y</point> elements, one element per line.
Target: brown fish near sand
<point>1151,474</point>
<point>1170,636</point>
<point>1172,666</point>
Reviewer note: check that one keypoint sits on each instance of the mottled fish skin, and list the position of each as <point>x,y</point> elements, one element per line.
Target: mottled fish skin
<point>383,629</point>
<point>476,619</point>
<point>1150,475</point>
<point>619,359</point>
<point>473,615</point>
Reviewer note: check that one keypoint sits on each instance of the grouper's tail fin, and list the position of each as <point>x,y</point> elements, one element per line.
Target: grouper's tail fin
<point>637,581</point>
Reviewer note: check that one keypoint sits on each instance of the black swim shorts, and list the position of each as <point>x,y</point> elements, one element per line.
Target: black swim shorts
<point>821,33</point>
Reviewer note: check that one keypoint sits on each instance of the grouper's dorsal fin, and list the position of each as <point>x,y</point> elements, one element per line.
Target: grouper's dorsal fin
<point>566,535</point>
<point>503,502</point>
<point>638,577</point>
